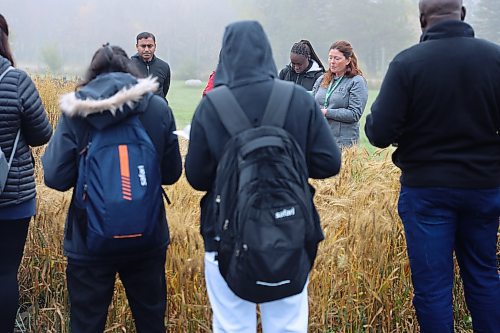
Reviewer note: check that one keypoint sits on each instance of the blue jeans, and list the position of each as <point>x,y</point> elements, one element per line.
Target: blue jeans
<point>438,221</point>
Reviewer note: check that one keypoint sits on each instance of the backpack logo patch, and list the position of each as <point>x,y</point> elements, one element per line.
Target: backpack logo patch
<point>284,213</point>
<point>142,175</point>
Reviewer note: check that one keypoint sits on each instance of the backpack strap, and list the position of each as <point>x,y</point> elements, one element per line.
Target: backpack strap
<point>277,107</point>
<point>5,72</point>
<point>14,148</point>
<point>229,111</point>
<point>167,199</point>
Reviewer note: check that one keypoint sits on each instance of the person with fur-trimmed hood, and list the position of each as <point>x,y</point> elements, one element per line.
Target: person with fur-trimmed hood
<point>110,93</point>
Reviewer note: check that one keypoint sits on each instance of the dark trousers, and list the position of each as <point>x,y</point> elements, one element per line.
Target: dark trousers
<point>12,239</point>
<point>91,286</point>
<point>437,222</point>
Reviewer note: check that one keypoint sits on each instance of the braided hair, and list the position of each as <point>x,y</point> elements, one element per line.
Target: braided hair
<point>305,48</point>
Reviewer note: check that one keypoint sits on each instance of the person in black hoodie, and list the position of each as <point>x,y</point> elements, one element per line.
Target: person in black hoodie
<point>247,68</point>
<point>305,66</point>
<point>110,93</point>
<point>23,116</point>
<point>440,105</point>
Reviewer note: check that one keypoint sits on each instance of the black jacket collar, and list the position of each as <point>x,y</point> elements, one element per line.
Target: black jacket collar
<point>447,29</point>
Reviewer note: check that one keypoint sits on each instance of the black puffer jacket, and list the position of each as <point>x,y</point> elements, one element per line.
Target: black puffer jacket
<point>20,107</point>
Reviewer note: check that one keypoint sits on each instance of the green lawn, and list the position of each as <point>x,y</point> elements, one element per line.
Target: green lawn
<point>183,101</point>
<point>363,141</point>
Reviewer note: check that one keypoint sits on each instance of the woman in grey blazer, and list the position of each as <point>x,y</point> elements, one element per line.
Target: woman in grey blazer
<point>342,93</point>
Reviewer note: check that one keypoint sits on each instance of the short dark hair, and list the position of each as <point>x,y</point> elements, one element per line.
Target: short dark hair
<point>144,35</point>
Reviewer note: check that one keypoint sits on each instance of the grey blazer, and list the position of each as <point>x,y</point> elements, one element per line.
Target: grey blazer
<point>345,107</point>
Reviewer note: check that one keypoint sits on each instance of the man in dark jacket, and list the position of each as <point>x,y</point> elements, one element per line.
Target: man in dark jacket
<point>149,64</point>
<point>247,68</point>
<point>440,105</point>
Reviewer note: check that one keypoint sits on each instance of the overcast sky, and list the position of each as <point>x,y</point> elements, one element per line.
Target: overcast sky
<point>188,32</point>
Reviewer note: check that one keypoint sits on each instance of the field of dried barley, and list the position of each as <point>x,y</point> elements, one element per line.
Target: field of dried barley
<point>360,283</point>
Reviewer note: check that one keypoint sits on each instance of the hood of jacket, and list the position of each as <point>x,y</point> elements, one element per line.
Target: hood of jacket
<point>314,67</point>
<point>447,29</point>
<point>109,98</point>
<point>4,64</point>
<point>245,57</point>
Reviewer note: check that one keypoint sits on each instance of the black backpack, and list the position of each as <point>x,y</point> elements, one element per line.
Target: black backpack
<point>266,226</point>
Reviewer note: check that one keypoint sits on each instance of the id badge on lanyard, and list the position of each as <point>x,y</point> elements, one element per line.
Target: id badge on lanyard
<point>330,90</point>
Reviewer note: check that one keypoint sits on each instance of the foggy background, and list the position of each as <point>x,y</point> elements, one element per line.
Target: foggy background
<point>60,36</point>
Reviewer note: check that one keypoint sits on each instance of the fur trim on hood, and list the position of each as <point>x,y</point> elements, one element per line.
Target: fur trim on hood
<point>72,106</point>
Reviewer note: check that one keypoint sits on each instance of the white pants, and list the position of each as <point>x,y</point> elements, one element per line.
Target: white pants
<point>232,314</point>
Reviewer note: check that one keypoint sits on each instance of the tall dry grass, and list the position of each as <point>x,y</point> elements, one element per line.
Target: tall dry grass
<point>360,282</point>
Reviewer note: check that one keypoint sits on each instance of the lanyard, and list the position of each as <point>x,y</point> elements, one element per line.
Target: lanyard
<point>330,90</point>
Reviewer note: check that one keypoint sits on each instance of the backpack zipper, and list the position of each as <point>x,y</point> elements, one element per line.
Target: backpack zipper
<point>83,154</point>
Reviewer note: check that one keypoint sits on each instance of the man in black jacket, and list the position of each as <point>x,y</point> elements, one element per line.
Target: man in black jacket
<point>440,105</point>
<point>149,64</point>
<point>247,68</point>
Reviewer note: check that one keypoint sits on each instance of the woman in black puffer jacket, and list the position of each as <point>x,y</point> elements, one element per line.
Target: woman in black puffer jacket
<point>20,110</point>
